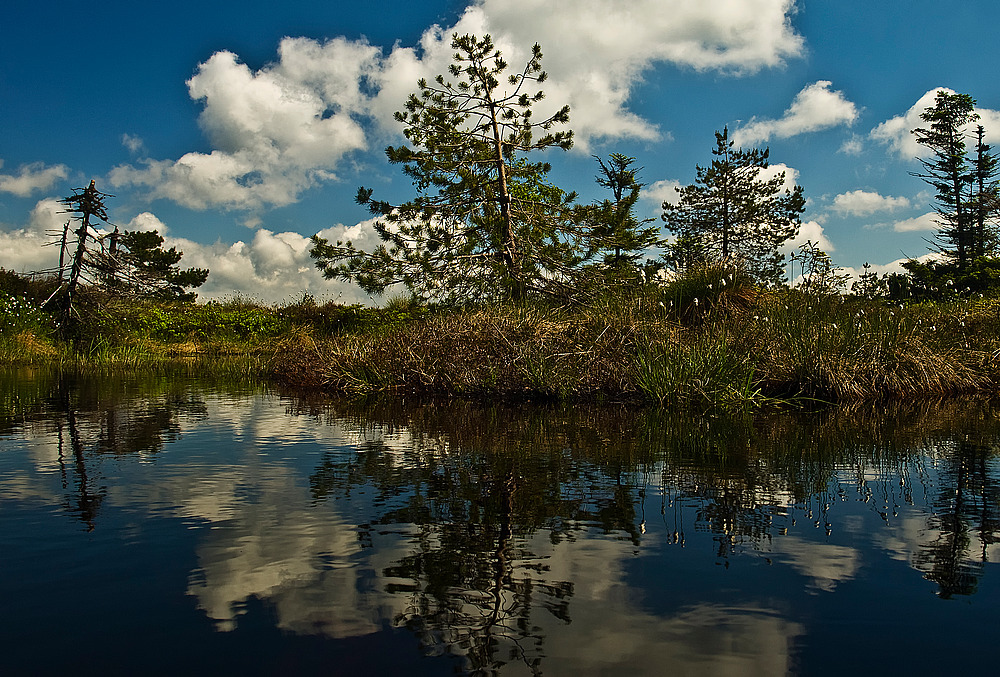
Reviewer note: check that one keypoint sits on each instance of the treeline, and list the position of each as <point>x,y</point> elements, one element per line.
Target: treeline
<point>487,225</point>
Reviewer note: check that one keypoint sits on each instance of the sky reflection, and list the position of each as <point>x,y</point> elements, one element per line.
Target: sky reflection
<point>579,541</point>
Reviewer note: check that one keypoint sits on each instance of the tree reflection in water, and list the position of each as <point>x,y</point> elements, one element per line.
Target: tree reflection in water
<point>95,419</point>
<point>966,505</point>
<point>477,483</point>
<point>475,493</point>
<point>485,508</point>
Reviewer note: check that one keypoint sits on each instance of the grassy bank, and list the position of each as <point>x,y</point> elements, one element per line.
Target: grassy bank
<point>711,339</point>
<point>780,347</point>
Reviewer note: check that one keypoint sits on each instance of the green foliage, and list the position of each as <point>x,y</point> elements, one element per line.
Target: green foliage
<point>616,234</point>
<point>118,264</point>
<point>731,213</point>
<point>948,280</point>
<point>176,322</point>
<point>19,314</point>
<point>326,318</point>
<point>140,265</point>
<point>26,331</point>
<point>705,372</point>
<point>966,189</point>
<point>485,223</point>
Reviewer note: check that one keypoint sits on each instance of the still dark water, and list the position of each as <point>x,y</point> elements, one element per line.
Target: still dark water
<point>165,526</point>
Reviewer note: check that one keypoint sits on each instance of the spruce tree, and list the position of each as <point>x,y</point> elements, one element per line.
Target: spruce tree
<point>949,171</point>
<point>986,196</point>
<point>616,232</point>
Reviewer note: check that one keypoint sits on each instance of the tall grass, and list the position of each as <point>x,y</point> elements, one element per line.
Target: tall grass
<point>827,348</point>
<point>707,338</point>
<point>25,331</point>
<point>708,371</point>
<point>745,346</point>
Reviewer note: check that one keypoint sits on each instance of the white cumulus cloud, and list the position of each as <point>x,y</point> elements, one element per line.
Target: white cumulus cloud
<point>864,203</point>
<point>275,131</point>
<point>890,268</point>
<point>852,146</point>
<point>135,144</point>
<point>280,129</point>
<point>28,248</point>
<point>773,170</point>
<point>146,221</point>
<point>814,108</point>
<point>32,178</point>
<point>272,267</point>
<point>596,51</point>
<point>928,221</point>
<point>659,192</point>
<point>809,231</point>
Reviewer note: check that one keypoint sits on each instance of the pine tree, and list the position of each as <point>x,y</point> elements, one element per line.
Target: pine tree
<point>485,224</point>
<point>87,206</point>
<point>140,266</point>
<point>730,213</point>
<point>985,200</point>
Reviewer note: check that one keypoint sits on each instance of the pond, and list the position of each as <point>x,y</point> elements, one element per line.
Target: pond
<point>164,525</point>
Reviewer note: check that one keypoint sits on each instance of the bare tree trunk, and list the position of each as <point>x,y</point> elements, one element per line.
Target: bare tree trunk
<point>76,271</point>
<point>62,251</point>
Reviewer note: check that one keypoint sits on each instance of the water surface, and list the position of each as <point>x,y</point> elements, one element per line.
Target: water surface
<point>170,526</point>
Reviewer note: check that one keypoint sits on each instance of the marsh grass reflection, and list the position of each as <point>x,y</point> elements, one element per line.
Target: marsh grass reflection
<point>516,537</point>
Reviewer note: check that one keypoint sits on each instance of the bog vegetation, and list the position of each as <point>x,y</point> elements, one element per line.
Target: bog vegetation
<point>502,285</point>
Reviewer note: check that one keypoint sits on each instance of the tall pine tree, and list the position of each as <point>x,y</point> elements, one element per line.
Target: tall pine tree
<point>986,196</point>
<point>485,224</point>
<point>948,170</point>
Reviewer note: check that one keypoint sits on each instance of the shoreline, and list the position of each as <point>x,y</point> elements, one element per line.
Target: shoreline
<point>773,350</point>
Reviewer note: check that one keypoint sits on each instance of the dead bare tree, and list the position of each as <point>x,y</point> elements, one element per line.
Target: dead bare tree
<point>87,206</point>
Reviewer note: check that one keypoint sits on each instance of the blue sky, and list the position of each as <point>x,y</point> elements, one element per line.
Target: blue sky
<point>238,129</point>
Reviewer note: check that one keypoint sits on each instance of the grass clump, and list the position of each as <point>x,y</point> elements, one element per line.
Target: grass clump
<point>830,349</point>
<point>708,370</point>
<point>25,331</point>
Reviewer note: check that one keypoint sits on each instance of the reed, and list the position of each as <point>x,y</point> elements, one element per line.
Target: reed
<point>833,350</point>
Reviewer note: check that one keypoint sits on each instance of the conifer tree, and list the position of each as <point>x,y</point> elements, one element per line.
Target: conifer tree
<point>616,232</point>
<point>731,213</point>
<point>140,266</point>
<point>87,206</point>
<point>485,224</point>
<point>129,263</point>
<point>986,196</point>
<point>948,170</point>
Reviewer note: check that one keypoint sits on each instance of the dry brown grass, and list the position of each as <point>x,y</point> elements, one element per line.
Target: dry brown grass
<point>824,350</point>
